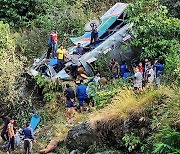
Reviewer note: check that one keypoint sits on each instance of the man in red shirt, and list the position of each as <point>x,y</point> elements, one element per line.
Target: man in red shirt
<point>54,38</point>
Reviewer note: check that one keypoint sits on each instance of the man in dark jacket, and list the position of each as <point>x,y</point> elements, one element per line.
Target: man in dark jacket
<point>94,33</point>
<point>49,47</point>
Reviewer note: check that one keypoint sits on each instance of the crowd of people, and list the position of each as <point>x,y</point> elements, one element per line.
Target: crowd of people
<point>9,134</point>
<point>84,94</point>
<point>143,74</point>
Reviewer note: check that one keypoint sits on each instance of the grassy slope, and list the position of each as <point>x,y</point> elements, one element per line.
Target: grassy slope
<point>121,105</point>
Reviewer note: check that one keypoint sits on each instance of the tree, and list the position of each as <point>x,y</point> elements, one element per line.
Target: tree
<point>156,32</point>
<point>173,7</point>
<point>10,69</point>
<point>19,13</point>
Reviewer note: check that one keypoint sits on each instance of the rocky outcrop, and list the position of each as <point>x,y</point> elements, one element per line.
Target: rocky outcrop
<point>81,137</point>
<point>110,152</point>
<point>109,131</point>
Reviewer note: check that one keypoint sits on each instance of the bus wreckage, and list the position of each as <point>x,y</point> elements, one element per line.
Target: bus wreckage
<point>112,34</point>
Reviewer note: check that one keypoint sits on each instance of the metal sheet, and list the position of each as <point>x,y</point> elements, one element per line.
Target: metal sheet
<point>107,20</point>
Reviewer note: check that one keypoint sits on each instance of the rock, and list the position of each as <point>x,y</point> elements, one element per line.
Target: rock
<point>81,137</point>
<point>75,152</point>
<point>110,152</point>
<point>108,131</point>
<point>103,80</point>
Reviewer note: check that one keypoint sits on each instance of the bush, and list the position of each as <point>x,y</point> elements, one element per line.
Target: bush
<point>156,32</point>
<point>10,70</point>
<point>168,141</point>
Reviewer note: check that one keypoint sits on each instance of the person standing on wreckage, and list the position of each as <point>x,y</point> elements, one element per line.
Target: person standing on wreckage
<point>61,55</point>
<point>54,38</point>
<point>75,63</point>
<point>94,34</point>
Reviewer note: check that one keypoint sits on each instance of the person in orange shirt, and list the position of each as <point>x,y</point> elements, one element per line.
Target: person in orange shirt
<point>10,130</point>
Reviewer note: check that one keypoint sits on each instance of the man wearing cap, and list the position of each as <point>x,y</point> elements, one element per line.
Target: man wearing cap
<point>6,120</point>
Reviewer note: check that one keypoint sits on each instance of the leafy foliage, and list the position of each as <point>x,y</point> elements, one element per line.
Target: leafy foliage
<point>21,12</point>
<point>10,69</point>
<point>104,95</point>
<point>131,141</point>
<point>156,32</point>
<point>96,147</point>
<point>102,65</point>
<point>168,141</point>
<point>173,7</point>
<point>49,87</point>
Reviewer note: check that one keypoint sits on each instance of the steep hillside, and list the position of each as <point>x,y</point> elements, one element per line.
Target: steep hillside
<point>121,121</point>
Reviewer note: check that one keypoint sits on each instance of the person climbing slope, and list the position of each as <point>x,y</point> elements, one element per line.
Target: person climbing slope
<point>70,98</point>
<point>137,80</point>
<point>150,74</point>
<point>159,69</point>
<point>114,68</point>
<point>75,63</point>
<point>81,94</point>
<point>123,68</point>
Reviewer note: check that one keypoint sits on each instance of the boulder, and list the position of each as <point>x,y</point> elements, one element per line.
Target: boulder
<point>110,152</point>
<point>108,131</point>
<point>81,137</point>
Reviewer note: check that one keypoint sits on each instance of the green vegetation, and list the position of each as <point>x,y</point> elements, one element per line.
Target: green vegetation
<point>24,30</point>
<point>131,142</point>
<point>157,33</point>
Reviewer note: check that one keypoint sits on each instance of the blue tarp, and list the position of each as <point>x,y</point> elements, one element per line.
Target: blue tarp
<point>35,119</point>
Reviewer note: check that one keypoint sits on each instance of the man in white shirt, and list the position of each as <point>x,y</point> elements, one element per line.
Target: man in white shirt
<point>137,79</point>
<point>151,73</point>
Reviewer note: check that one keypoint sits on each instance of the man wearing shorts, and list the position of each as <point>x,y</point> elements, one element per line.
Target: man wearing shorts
<point>81,94</point>
<point>70,97</point>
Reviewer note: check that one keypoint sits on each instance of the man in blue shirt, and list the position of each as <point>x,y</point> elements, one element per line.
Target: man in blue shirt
<point>158,68</point>
<point>49,47</point>
<point>123,68</point>
<point>28,138</point>
<point>81,94</point>
<point>79,49</point>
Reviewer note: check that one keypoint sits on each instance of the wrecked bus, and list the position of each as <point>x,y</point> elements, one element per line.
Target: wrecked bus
<point>112,33</point>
